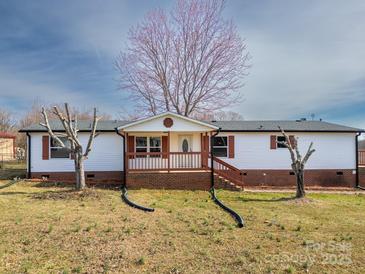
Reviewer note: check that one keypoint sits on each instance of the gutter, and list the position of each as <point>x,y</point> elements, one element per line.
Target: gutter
<point>298,130</point>
<point>29,156</point>
<point>62,130</point>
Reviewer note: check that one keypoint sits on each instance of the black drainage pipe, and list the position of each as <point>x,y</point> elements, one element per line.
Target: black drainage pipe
<point>124,194</point>
<point>132,204</point>
<point>234,214</point>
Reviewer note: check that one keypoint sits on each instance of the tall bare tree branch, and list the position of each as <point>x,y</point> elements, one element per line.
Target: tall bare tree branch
<point>49,129</point>
<point>298,163</point>
<point>71,129</point>
<point>187,61</point>
<point>92,135</point>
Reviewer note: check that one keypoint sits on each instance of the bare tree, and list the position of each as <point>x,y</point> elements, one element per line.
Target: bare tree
<point>219,116</point>
<point>188,61</point>
<point>298,162</point>
<point>34,116</point>
<point>69,123</point>
<point>7,123</point>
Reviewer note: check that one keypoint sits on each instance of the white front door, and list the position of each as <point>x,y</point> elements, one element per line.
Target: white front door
<point>185,143</point>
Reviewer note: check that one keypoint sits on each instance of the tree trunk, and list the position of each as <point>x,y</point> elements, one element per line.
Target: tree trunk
<point>300,184</point>
<point>80,172</point>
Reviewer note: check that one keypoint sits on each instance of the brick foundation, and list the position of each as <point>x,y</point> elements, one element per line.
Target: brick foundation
<point>179,180</point>
<point>201,180</point>
<point>283,178</point>
<point>92,177</point>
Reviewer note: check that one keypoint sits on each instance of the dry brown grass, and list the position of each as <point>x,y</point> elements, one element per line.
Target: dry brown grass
<point>57,230</point>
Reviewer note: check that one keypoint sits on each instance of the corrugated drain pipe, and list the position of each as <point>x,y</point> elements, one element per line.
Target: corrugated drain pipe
<point>124,189</point>
<point>234,214</point>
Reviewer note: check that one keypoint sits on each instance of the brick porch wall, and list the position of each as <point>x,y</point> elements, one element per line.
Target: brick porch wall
<point>183,180</point>
<point>281,178</point>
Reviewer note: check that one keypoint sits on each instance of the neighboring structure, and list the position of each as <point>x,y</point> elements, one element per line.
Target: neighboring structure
<point>172,151</point>
<point>7,146</point>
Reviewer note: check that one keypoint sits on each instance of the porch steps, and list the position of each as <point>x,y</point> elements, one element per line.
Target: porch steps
<point>224,183</point>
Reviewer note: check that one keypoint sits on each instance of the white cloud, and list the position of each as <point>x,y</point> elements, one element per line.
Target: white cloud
<point>306,58</point>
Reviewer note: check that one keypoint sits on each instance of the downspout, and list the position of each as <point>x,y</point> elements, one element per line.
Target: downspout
<point>211,158</point>
<point>124,194</point>
<point>29,156</point>
<point>234,214</point>
<point>124,184</point>
<point>357,161</point>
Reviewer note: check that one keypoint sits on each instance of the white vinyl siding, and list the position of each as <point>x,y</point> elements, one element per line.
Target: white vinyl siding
<point>333,151</point>
<point>106,154</point>
<point>252,151</point>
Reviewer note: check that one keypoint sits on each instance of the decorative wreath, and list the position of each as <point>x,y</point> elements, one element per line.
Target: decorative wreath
<point>168,122</point>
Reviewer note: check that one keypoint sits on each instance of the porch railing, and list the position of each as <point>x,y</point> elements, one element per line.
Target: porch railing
<point>227,171</point>
<point>165,161</point>
<point>361,157</point>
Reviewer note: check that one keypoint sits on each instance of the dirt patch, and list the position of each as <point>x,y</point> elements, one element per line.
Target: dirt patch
<point>301,201</point>
<point>68,195</point>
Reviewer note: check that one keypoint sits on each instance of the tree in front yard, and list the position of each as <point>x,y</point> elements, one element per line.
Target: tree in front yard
<point>298,162</point>
<point>190,60</point>
<point>69,123</point>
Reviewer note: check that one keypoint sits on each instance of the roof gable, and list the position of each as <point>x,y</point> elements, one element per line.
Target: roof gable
<point>179,123</point>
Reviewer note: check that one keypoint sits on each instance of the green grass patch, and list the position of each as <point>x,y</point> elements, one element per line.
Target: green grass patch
<point>54,229</point>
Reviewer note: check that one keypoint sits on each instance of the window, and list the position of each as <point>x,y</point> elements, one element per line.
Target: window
<point>148,144</point>
<point>155,145</point>
<point>220,146</point>
<point>280,139</point>
<point>141,145</point>
<point>60,152</point>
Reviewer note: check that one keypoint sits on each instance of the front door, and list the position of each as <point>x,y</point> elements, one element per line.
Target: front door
<point>185,145</point>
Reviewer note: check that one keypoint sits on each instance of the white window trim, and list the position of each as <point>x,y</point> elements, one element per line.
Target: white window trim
<point>50,150</point>
<point>148,147</point>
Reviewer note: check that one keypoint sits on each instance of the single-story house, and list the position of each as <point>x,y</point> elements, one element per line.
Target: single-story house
<point>7,146</point>
<point>172,151</point>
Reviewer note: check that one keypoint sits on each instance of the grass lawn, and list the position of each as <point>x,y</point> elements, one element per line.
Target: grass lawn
<point>11,169</point>
<point>52,229</point>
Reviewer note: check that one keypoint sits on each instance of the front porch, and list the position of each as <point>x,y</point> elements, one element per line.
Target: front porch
<point>167,152</point>
<point>178,147</point>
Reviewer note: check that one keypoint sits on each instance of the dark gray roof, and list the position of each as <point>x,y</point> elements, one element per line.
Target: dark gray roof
<point>299,125</point>
<point>248,126</point>
<point>108,125</point>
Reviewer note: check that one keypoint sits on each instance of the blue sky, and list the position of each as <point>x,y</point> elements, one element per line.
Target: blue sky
<point>307,56</point>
